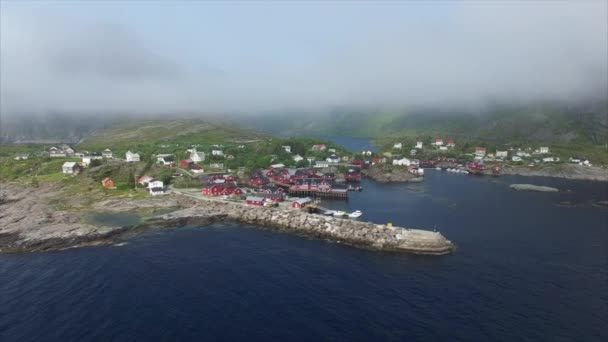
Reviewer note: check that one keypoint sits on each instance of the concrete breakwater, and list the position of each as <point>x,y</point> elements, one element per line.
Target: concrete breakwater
<point>29,223</point>
<point>360,234</point>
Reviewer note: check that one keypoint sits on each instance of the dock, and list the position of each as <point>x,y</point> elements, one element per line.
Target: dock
<point>335,194</point>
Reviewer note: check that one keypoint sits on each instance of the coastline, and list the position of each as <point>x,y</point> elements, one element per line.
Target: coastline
<point>565,171</point>
<point>29,223</point>
<point>396,175</point>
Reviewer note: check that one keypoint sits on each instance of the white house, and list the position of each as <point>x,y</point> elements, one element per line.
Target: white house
<point>333,159</point>
<point>56,153</point>
<point>418,144</point>
<point>218,153</point>
<point>165,159</point>
<point>69,167</point>
<point>216,165</point>
<point>451,144</point>
<point>366,153</point>
<point>443,148</point>
<point>107,153</point>
<point>438,142</point>
<point>310,159</point>
<point>523,154</point>
<point>132,157</point>
<point>550,159</point>
<point>22,156</point>
<point>502,154</point>
<point>544,149</point>
<point>196,156</point>
<point>156,187</point>
<point>297,158</point>
<point>402,162</point>
<point>398,146</point>
<point>321,164</point>
<point>286,148</point>
<point>69,152</point>
<point>480,151</point>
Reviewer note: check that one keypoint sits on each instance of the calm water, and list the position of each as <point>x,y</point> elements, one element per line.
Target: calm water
<point>526,269</point>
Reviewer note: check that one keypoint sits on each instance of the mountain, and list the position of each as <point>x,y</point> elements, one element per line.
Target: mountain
<point>541,123</point>
<point>117,131</point>
<point>180,131</point>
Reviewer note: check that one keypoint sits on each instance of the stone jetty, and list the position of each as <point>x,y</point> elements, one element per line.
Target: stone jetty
<point>360,234</point>
<point>29,223</point>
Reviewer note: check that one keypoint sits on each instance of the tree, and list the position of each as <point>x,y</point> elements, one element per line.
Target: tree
<point>131,181</point>
<point>166,176</point>
<point>302,163</point>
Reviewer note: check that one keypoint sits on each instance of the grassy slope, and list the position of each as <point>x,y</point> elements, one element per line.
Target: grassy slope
<point>189,131</point>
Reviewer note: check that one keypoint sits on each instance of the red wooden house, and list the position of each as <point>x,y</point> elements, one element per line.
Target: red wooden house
<point>213,190</point>
<point>258,181</point>
<point>254,200</point>
<point>232,190</point>
<point>353,175</point>
<point>301,202</point>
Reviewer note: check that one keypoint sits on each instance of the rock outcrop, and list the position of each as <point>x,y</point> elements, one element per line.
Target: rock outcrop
<point>532,187</point>
<point>391,174</point>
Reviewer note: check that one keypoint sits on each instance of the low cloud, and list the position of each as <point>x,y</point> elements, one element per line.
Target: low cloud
<point>495,51</point>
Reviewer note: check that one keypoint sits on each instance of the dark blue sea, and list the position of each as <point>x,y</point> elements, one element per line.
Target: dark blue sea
<point>529,267</point>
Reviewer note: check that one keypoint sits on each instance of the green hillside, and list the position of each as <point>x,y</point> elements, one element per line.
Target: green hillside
<point>135,133</point>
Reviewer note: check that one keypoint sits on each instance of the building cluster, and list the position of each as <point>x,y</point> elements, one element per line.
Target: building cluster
<point>539,155</point>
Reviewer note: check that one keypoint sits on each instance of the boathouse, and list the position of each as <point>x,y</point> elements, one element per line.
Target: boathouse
<point>254,200</point>
<point>301,202</point>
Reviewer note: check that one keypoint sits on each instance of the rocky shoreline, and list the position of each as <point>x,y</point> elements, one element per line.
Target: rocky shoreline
<point>567,171</point>
<point>28,223</point>
<point>396,175</point>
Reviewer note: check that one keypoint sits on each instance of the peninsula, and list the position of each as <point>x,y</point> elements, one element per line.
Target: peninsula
<point>29,223</point>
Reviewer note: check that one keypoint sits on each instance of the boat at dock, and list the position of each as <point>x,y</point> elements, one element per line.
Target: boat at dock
<point>479,168</point>
<point>339,213</point>
<point>355,214</point>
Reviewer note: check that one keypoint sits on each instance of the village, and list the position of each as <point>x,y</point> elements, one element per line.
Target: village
<point>287,178</point>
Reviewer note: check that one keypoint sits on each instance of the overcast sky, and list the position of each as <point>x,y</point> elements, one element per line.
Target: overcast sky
<point>170,57</point>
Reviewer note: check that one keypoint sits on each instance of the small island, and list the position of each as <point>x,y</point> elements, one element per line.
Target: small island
<point>531,187</point>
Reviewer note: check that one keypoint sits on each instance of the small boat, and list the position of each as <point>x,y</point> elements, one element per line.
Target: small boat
<point>329,212</point>
<point>355,214</point>
<point>339,213</point>
<point>438,168</point>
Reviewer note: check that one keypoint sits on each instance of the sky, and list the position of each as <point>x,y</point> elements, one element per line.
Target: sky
<point>166,57</point>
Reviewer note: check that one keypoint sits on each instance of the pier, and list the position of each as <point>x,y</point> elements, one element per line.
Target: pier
<point>335,194</point>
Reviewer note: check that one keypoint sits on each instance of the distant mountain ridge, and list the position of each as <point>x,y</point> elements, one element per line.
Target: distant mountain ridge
<point>71,129</point>
<point>535,123</point>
